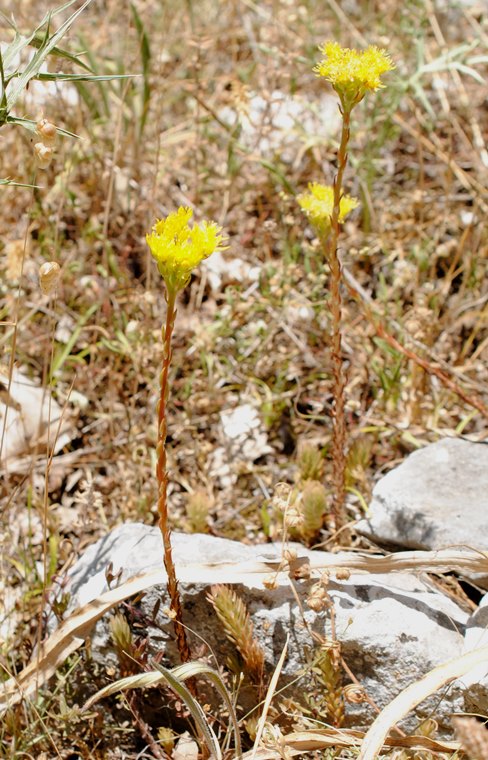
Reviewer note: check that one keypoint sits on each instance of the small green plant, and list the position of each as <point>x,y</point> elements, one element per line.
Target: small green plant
<point>197,509</point>
<point>302,510</point>
<point>310,462</point>
<point>352,74</point>
<point>177,249</point>
<point>313,507</point>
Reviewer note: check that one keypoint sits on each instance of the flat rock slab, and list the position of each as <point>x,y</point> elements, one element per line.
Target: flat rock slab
<point>392,628</point>
<point>437,498</point>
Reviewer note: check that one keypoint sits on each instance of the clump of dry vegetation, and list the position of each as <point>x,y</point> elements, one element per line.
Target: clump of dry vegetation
<point>214,106</point>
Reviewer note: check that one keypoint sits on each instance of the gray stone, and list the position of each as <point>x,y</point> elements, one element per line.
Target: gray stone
<point>437,498</point>
<point>392,628</point>
<point>476,681</point>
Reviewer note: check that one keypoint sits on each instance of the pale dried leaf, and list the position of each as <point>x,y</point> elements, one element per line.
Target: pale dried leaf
<point>186,748</point>
<point>32,417</point>
<point>413,695</point>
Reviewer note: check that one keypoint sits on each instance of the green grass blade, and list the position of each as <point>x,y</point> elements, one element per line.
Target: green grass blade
<point>91,101</point>
<point>140,681</point>
<point>61,357</point>
<point>47,76</point>
<point>21,41</point>
<point>32,126</point>
<point>3,99</point>
<point>7,181</point>
<point>33,67</point>
<point>60,53</point>
<point>175,681</point>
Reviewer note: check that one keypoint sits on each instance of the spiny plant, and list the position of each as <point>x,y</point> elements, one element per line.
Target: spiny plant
<point>239,629</point>
<point>352,74</point>
<point>326,697</point>
<point>177,249</point>
<point>197,511</point>
<point>310,462</point>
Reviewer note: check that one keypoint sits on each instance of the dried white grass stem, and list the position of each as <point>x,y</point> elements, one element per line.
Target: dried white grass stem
<point>413,695</point>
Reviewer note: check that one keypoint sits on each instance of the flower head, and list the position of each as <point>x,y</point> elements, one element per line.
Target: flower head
<point>318,204</point>
<point>351,72</point>
<point>179,248</point>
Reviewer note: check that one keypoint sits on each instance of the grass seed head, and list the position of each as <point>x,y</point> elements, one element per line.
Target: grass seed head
<point>49,274</point>
<point>46,131</point>
<point>43,155</point>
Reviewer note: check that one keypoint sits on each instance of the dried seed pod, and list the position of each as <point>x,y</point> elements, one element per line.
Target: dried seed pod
<point>49,274</point>
<point>472,735</point>
<point>270,582</point>
<point>46,131</point>
<point>354,694</point>
<point>282,496</point>
<point>293,517</point>
<point>290,555</point>
<point>317,599</point>
<point>44,155</point>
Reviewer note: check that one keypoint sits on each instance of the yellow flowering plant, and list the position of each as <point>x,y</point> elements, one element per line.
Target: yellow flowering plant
<point>318,205</point>
<point>352,73</point>
<point>177,248</point>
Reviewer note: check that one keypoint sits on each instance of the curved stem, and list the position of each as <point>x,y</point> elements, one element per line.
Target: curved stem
<point>339,423</point>
<point>162,475</point>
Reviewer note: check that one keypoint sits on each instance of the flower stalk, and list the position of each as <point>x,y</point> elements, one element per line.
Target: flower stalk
<point>352,74</point>
<point>162,477</point>
<point>338,419</point>
<point>177,248</point>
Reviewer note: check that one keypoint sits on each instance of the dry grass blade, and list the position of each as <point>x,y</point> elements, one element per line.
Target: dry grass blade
<point>139,681</point>
<point>175,678</point>
<point>194,669</point>
<point>196,711</point>
<point>315,740</point>
<point>269,696</point>
<point>66,640</point>
<point>413,695</point>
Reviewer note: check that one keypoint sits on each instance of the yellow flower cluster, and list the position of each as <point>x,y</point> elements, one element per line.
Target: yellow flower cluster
<point>179,248</point>
<point>351,72</point>
<point>318,204</point>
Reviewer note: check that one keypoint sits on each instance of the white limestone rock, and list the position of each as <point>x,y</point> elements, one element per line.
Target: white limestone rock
<point>393,628</point>
<point>437,498</point>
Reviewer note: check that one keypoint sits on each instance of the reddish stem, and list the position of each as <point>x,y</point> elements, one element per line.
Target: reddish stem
<point>162,475</point>
<point>339,423</point>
